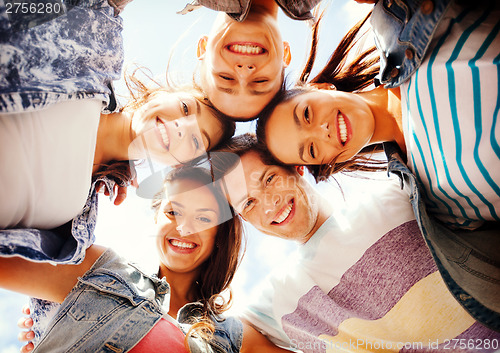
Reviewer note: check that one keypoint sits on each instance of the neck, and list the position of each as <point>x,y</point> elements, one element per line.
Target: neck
<point>181,288</point>
<point>268,6</point>
<point>324,212</point>
<point>385,105</point>
<point>113,138</point>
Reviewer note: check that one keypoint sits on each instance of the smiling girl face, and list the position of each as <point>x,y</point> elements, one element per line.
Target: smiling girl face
<point>172,128</point>
<point>318,127</point>
<point>243,62</point>
<point>187,225</point>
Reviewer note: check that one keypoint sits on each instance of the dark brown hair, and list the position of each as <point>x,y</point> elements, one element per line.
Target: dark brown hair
<point>227,155</point>
<point>351,76</point>
<point>218,270</point>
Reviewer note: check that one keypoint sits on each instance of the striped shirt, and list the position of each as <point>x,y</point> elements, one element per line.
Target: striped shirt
<point>450,111</point>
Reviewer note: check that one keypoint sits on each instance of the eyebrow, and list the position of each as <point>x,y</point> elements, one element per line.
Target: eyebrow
<point>247,195</point>
<point>297,122</point>
<point>198,108</point>
<point>253,92</point>
<point>198,209</point>
<point>204,133</point>
<point>226,90</point>
<point>206,210</point>
<point>177,204</point>
<point>261,93</point>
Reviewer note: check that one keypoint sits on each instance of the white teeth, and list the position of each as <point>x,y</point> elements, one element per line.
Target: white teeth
<point>163,133</point>
<point>246,49</point>
<point>284,214</point>
<point>342,128</point>
<point>182,245</point>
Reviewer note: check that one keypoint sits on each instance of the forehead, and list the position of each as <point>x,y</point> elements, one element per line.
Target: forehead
<point>190,194</point>
<point>249,104</point>
<point>251,100</point>
<point>247,176</point>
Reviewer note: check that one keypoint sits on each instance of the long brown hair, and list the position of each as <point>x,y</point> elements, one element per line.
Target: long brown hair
<point>344,75</point>
<point>218,270</point>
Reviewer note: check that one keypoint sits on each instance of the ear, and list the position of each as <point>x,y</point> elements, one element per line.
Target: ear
<point>202,47</point>
<point>287,54</point>
<point>300,169</point>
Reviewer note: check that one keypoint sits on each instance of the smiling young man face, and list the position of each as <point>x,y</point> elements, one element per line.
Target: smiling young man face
<point>242,63</point>
<point>275,200</point>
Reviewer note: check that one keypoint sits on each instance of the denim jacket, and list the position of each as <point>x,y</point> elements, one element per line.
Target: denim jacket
<point>64,245</point>
<point>74,51</point>
<point>238,10</point>
<point>403,30</point>
<point>468,261</point>
<point>114,305</point>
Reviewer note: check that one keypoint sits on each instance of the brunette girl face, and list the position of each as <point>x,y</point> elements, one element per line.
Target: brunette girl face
<point>318,127</point>
<point>172,128</point>
<point>187,224</point>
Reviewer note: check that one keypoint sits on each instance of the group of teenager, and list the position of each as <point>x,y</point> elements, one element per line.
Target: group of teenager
<point>412,266</point>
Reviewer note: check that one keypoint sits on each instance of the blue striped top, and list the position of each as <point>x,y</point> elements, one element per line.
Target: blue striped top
<point>450,111</point>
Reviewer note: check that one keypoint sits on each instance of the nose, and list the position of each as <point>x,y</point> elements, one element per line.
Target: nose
<point>270,203</point>
<point>244,70</point>
<point>179,128</point>
<point>184,229</point>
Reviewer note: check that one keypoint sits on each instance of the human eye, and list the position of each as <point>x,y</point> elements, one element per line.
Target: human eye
<point>204,219</point>
<point>226,77</point>
<point>196,143</point>
<point>184,108</point>
<point>307,115</point>
<point>269,179</point>
<point>311,151</point>
<point>262,80</point>
<point>248,203</point>
<point>170,212</point>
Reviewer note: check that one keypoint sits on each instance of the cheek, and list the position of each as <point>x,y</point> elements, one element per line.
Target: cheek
<point>164,226</point>
<point>209,242</point>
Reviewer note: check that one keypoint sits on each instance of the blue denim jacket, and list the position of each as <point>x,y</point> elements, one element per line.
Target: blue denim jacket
<point>238,9</point>
<point>58,246</point>
<point>468,261</point>
<point>403,30</point>
<point>48,56</point>
<point>114,305</point>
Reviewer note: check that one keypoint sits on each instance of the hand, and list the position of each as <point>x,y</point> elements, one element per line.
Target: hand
<point>120,192</point>
<point>26,336</point>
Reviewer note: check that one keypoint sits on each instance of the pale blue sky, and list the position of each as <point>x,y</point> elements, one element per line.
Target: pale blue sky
<point>151,29</point>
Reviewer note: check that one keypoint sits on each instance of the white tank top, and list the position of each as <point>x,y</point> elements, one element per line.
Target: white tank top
<point>46,163</point>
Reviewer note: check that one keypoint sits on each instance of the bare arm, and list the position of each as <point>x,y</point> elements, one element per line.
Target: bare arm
<point>256,342</point>
<point>43,280</point>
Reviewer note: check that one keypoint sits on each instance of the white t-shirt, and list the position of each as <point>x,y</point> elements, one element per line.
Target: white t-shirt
<point>47,158</point>
<point>365,280</point>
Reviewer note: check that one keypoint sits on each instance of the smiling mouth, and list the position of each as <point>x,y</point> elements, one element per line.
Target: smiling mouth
<point>182,245</point>
<point>163,133</point>
<point>246,49</point>
<point>284,213</point>
<point>342,130</point>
